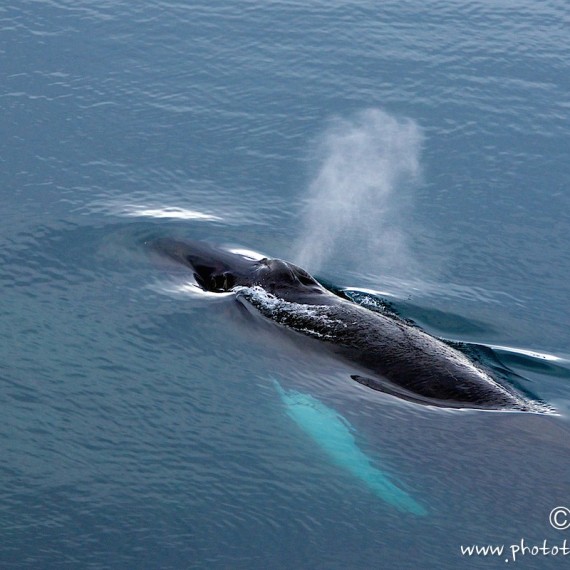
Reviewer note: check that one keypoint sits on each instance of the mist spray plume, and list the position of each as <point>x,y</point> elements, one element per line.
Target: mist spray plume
<point>353,211</point>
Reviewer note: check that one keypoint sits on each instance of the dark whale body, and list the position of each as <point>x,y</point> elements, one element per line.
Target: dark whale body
<point>392,356</point>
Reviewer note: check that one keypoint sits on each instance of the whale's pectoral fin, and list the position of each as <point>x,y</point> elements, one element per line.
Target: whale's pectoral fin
<point>389,388</point>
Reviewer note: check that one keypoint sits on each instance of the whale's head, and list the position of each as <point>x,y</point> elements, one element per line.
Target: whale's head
<point>214,269</point>
<point>218,271</point>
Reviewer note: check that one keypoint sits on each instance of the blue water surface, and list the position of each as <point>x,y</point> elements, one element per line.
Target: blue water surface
<point>415,152</point>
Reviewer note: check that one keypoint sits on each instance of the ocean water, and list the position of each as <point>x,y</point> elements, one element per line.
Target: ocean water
<point>414,152</point>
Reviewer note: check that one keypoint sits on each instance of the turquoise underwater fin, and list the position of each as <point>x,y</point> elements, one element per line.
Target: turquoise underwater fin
<point>334,435</point>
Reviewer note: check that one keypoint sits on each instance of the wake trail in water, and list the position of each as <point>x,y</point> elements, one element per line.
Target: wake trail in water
<point>354,205</point>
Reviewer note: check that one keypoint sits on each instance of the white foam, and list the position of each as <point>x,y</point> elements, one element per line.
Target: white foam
<point>172,212</point>
<point>273,308</point>
<point>187,288</point>
<point>248,253</point>
<point>531,353</point>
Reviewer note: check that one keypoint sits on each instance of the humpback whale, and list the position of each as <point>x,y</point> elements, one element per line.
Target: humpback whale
<point>389,354</point>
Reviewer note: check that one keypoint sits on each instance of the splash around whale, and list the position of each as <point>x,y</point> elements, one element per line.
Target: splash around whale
<point>389,354</point>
